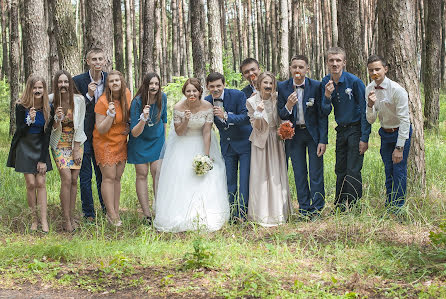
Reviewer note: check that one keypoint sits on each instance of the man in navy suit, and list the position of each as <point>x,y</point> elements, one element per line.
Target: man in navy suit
<point>299,101</point>
<point>91,85</point>
<point>250,70</point>
<point>232,121</point>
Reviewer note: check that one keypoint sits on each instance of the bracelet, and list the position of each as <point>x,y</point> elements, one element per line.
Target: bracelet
<point>141,117</point>
<point>29,121</point>
<point>56,119</point>
<point>111,114</point>
<point>258,114</point>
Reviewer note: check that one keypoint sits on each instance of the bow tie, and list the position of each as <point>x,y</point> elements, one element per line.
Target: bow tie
<point>378,87</point>
<point>300,86</point>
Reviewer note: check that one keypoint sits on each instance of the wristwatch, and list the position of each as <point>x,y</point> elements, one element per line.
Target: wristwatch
<point>399,148</point>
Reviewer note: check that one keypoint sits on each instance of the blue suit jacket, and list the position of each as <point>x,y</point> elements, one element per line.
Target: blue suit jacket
<point>236,130</point>
<point>82,82</point>
<point>315,120</point>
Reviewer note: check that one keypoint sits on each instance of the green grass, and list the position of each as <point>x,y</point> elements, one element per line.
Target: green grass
<point>362,254</point>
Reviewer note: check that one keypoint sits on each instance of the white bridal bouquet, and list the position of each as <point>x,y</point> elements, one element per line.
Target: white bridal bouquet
<point>202,164</point>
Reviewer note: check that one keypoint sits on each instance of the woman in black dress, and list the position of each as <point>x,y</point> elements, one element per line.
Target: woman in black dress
<point>29,152</point>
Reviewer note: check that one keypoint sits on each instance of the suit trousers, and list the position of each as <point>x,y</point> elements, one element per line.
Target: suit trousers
<point>311,197</point>
<point>238,201</point>
<point>396,174</point>
<point>85,177</point>
<point>348,165</point>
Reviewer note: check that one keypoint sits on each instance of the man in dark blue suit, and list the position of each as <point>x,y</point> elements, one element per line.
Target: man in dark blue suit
<point>91,85</point>
<point>299,101</point>
<point>250,70</point>
<point>232,121</point>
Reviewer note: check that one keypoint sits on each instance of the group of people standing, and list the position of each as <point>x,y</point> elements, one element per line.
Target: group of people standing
<point>91,122</point>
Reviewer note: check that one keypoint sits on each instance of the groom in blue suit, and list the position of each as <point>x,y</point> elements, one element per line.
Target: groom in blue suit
<point>299,101</point>
<point>232,121</point>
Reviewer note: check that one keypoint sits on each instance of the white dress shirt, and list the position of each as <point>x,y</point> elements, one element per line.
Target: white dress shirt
<point>99,88</point>
<point>300,97</point>
<point>392,107</point>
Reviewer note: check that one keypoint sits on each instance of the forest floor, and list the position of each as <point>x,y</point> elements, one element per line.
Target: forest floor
<point>366,253</point>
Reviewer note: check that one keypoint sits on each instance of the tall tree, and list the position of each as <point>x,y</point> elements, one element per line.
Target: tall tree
<point>157,45</point>
<point>196,33</point>
<point>175,35</point>
<point>443,43</point>
<point>36,47</point>
<point>117,29</point>
<point>135,41</point>
<point>166,61</point>
<point>215,43</point>
<point>65,32</point>
<point>128,45</point>
<point>349,25</point>
<point>432,67</point>
<point>283,62</point>
<point>334,22</point>
<point>14,60</point>
<point>149,36</point>
<point>4,21</point>
<point>99,28</point>
<point>53,57</point>
<point>397,41</point>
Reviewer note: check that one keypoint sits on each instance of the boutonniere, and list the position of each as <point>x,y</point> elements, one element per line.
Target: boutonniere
<point>310,102</point>
<point>349,92</point>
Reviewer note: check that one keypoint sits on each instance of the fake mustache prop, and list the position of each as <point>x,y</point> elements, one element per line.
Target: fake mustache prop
<point>375,76</point>
<point>268,88</point>
<point>63,88</point>
<point>153,89</point>
<point>37,93</point>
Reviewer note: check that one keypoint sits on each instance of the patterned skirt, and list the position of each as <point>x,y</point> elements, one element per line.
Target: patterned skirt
<point>63,154</point>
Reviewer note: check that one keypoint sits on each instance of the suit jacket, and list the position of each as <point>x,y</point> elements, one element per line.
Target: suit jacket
<point>260,134</point>
<point>236,130</point>
<point>248,91</point>
<point>315,120</point>
<point>82,82</point>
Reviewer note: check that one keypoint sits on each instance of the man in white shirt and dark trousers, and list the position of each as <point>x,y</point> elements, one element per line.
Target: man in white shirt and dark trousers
<point>390,102</point>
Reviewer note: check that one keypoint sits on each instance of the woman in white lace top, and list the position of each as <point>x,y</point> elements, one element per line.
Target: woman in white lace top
<point>184,200</point>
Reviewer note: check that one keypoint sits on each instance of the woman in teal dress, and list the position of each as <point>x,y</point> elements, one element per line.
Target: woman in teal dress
<point>148,118</point>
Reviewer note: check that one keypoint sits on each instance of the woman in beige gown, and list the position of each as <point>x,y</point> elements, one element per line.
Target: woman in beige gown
<point>269,202</point>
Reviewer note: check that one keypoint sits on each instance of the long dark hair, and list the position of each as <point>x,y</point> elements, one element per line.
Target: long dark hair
<point>122,94</point>
<point>57,101</point>
<point>143,92</point>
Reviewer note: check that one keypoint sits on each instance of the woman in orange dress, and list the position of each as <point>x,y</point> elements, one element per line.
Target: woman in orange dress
<point>110,140</point>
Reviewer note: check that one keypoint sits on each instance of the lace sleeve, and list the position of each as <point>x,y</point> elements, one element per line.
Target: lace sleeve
<point>209,116</point>
<point>177,116</point>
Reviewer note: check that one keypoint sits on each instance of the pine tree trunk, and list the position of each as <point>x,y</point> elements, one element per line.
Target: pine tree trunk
<point>149,37</point>
<point>349,25</point>
<point>157,44</point>
<point>260,40</point>
<point>196,34</point>
<point>135,35</point>
<point>100,28</point>
<point>166,60</point>
<point>443,44</point>
<point>117,29</point>
<point>283,62</point>
<point>215,43</point>
<point>128,46</point>
<point>431,73</point>
<point>223,24</point>
<point>14,60</point>
<point>268,21</point>
<point>53,58</point>
<point>422,37</point>
<point>334,22</point>
<point>181,40</point>
<point>234,38</point>
<point>397,41</point>
<point>65,31</point>
<point>34,31</point>
<point>4,20</point>
<point>239,9</point>
<point>274,40</point>
<point>175,53</point>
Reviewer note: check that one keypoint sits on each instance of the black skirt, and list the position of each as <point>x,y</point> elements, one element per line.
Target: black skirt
<point>28,152</point>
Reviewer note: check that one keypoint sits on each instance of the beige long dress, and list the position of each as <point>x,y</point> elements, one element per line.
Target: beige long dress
<point>269,202</point>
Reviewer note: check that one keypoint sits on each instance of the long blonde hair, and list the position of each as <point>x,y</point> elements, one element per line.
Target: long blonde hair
<point>27,99</point>
<point>122,94</point>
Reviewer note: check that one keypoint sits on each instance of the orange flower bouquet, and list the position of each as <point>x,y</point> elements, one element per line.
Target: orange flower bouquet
<point>286,130</point>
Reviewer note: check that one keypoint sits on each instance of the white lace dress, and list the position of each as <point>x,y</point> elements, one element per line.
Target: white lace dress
<point>185,201</point>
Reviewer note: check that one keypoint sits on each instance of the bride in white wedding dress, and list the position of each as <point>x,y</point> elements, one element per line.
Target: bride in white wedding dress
<point>185,201</point>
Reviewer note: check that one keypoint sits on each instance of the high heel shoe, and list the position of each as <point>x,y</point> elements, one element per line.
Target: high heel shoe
<point>116,223</point>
